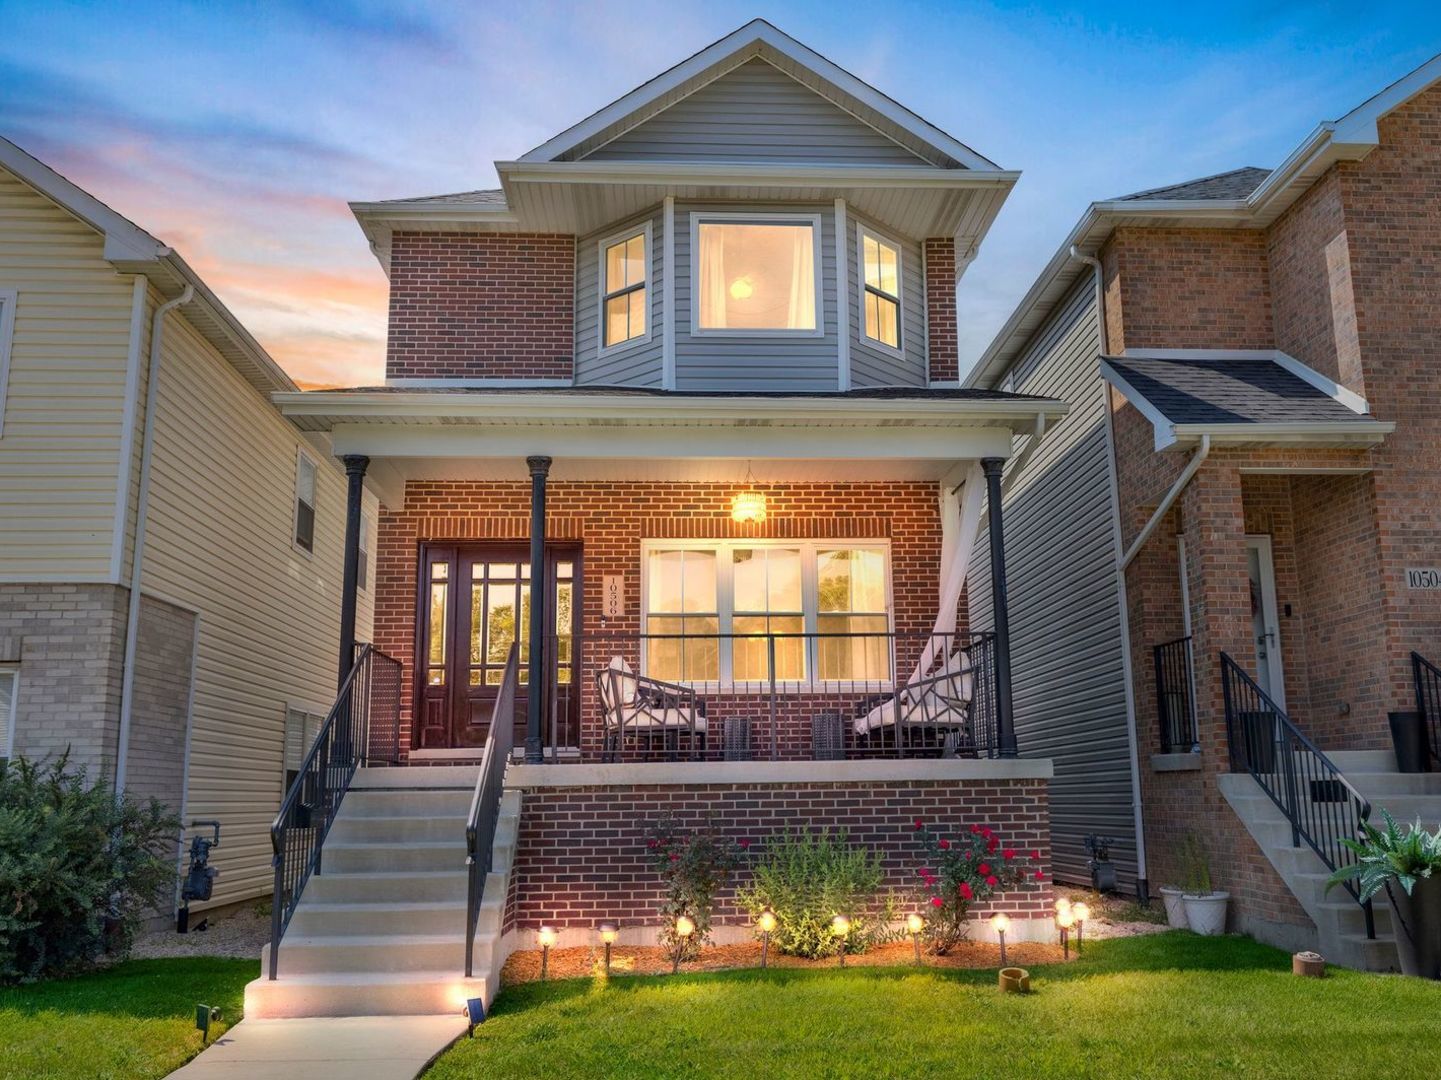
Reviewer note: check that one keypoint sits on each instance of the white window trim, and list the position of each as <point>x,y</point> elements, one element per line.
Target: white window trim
<point>9,298</point>
<point>899,350</point>
<point>308,709</point>
<point>725,601</point>
<point>703,217</point>
<point>7,750</point>
<point>630,343</point>
<point>301,455</point>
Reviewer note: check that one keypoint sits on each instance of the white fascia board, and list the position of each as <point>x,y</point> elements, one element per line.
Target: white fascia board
<point>479,384</point>
<point>739,45</point>
<point>1302,433</point>
<point>768,175</point>
<point>1165,430</point>
<point>1349,398</point>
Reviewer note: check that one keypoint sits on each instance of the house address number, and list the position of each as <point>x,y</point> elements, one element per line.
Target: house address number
<point>1423,577</point>
<point>613,588</point>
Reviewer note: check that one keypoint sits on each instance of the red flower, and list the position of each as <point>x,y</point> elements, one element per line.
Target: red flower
<point>651,843</point>
<point>1036,855</point>
<point>1040,876</point>
<point>975,830</point>
<point>926,873</point>
<point>744,843</point>
<point>674,857</point>
<point>965,891</point>
<point>1008,854</point>
<point>920,824</point>
<point>945,845</point>
<point>986,832</point>
<point>992,844</point>
<point>993,881</point>
<point>983,869</point>
<point>936,901</point>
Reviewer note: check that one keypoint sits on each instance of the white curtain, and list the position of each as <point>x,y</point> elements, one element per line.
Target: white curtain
<point>713,283</point>
<point>801,313</point>
<point>960,522</point>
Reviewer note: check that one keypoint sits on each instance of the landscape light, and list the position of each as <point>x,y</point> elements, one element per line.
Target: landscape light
<point>684,928</point>
<point>766,924</point>
<point>1080,912</point>
<point>1000,924</point>
<point>914,925</point>
<point>841,929</point>
<point>1065,919</point>
<point>547,937</point>
<point>474,1013</point>
<point>609,931</point>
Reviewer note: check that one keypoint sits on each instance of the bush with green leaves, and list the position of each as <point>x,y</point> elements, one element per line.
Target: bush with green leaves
<point>807,879</point>
<point>1387,855</point>
<point>78,868</point>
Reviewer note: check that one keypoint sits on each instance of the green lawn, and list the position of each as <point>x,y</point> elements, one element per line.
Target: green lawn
<point>1171,1005</point>
<point>131,1022</point>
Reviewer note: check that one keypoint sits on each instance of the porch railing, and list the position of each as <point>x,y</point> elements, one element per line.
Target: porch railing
<point>1320,804</point>
<point>1427,677</point>
<point>1175,697</point>
<point>626,696</point>
<point>485,803</point>
<point>368,703</point>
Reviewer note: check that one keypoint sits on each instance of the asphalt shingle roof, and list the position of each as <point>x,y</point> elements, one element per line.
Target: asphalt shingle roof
<point>1240,390</point>
<point>1236,184</point>
<point>487,198</point>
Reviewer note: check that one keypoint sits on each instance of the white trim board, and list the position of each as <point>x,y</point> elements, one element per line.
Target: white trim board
<point>759,217</point>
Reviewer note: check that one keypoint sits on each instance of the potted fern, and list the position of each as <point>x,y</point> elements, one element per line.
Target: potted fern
<point>1408,866</point>
<point>1205,906</point>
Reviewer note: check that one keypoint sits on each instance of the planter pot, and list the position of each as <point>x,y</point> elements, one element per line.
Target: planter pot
<point>1207,914</point>
<point>1418,927</point>
<point>1175,908</point>
<point>1408,736</point>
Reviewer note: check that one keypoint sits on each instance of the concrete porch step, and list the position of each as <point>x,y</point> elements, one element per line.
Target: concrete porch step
<point>413,993</point>
<point>386,887</point>
<point>315,920</point>
<point>392,802</point>
<point>417,777</point>
<point>395,829</point>
<point>427,856</point>
<point>333,954</point>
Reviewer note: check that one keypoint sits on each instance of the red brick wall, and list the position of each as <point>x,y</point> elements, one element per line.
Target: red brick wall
<point>481,305</point>
<point>581,853</point>
<point>612,518</point>
<point>943,343</point>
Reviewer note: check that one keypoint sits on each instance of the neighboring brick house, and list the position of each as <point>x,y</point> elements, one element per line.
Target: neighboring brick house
<point>1255,411</point>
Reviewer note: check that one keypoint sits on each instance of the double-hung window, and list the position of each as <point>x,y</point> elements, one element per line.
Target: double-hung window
<point>305,483</point>
<point>755,274</point>
<point>624,281</point>
<point>9,706</point>
<point>880,290</point>
<point>723,611</point>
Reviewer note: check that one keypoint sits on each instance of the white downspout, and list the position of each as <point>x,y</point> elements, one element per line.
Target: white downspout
<point>142,514</point>
<point>1197,460</point>
<point>1138,819</point>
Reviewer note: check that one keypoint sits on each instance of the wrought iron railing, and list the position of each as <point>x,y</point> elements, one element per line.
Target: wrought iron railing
<point>1320,804</point>
<point>1428,699</point>
<point>624,696</point>
<point>368,701</point>
<point>1175,697</point>
<point>485,803</point>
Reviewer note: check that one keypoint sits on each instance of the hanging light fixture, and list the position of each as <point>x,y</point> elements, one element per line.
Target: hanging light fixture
<point>749,505</point>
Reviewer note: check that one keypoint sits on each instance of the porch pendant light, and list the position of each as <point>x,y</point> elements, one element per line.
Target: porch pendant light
<point>749,505</point>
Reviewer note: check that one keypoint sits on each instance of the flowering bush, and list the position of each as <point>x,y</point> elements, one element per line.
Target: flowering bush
<point>960,872</point>
<point>694,867</point>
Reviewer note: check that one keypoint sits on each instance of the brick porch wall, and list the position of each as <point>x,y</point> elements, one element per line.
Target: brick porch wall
<point>581,853</point>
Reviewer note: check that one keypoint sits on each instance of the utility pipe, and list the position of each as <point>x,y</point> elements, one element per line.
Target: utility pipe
<point>142,514</point>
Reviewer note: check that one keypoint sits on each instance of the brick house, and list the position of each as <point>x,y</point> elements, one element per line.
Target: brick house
<point>693,370</point>
<point>1251,557</point>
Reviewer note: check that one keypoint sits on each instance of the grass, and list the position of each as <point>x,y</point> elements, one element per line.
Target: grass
<point>133,1021</point>
<point>1169,1005</point>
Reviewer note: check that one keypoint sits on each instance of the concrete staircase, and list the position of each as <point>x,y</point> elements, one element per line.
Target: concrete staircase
<point>381,931</point>
<point>1340,922</point>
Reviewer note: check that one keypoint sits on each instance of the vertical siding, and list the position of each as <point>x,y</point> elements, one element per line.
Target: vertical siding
<point>871,366</point>
<point>755,113</point>
<point>756,363</point>
<point>1066,644</point>
<point>60,441</point>
<point>637,365</point>
<point>223,480</point>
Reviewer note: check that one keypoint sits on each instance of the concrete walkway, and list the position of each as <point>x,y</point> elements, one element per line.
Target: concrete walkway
<point>326,1048</point>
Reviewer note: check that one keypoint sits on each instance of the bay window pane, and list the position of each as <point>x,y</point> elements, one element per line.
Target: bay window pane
<point>882,320</point>
<point>859,657</point>
<point>617,319</point>
<point>756,276</point>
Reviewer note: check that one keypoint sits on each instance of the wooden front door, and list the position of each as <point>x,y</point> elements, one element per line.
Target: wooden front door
<point>474,603</point>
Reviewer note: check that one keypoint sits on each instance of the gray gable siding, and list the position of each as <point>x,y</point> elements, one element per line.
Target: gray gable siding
<point>634,365</point>
<point>759,362</point>
<point>872,366</point>
<point>755,113</point>
<point>1066,644</point>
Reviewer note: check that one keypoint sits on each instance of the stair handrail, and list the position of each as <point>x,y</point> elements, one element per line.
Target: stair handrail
<point>308,809</point>
<point>1292,784</point>
<point>485,803</point>
<point>1427,677</point>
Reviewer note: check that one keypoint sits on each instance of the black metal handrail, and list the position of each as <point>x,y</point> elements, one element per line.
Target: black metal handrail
<point>1175,697</point>
<point>485,803</point>
<point>1320,804</point>
<point>368,699</point>
<point>1427,677</point>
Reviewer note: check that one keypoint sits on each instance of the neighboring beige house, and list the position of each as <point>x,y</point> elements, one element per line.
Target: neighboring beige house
<point>238,517</point>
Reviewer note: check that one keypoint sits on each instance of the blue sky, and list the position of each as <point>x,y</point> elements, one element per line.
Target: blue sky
<point>238,132</point>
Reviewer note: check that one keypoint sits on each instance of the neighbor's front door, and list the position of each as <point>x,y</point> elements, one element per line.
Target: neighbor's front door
<point>475,603</point>
<point>1265,625</point>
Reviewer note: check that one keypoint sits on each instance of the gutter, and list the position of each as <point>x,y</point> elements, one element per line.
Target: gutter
<point>142,515</point>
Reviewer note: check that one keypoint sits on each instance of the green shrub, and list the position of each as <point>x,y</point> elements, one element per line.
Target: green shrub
<point>694,866</point>
<point>77,868</point>
<point>807,879</point>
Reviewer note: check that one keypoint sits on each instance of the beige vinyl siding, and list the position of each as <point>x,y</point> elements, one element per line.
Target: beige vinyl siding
<point>220,541</point>
<point>61,435</point>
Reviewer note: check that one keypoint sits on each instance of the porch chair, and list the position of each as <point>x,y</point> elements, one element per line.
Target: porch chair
<point>640,705</point>
<point>936,705</point>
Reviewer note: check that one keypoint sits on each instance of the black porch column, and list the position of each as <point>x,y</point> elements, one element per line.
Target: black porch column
<point>355,466</point>
<point>535,699</point>
<point>1000,610</point>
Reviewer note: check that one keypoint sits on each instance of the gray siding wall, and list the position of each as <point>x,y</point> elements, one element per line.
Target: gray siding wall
<point>1066,645</point>
<point>755,113</point>
<point>760,362</point>
<point>635,365</point>
<point>872,366</point>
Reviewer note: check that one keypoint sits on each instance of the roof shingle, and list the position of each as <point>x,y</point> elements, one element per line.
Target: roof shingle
<point>1236,184</point>
<point>1233,390</point>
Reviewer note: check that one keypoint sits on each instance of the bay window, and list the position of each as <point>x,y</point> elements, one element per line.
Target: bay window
<point>720,611</point>
<point>880,290</point>
<point>755,274</point>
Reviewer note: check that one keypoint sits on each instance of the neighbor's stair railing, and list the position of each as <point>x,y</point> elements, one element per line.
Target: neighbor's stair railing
<point>485,803</point>
<point>1428,699</point>
<point>359,726</point>
<point>1175,699</point>
<point>1321,805</point>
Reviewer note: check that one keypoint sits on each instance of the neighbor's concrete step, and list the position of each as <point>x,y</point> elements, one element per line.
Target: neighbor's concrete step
<point>414,993</point>
<point>389,802</point>
<point>402,888</point>
<point>313,919</point>
<point>430,856</point>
